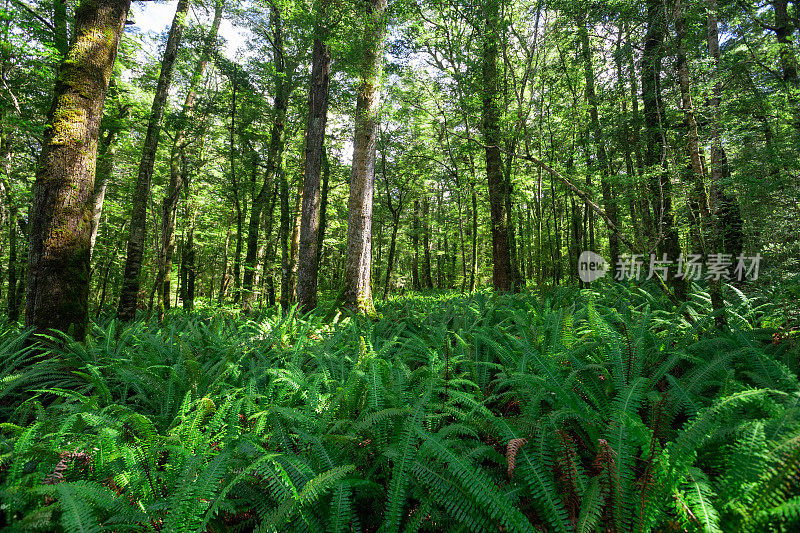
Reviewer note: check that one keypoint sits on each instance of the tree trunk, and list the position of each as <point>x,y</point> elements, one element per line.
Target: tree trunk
<point>274,156</point>
<point>223,284</point>
<point>284,239</point>
<point>396,211</point>
<point>415,281</point>
<point>133,263</point>
<point>655,154</point>
<point>60,238</point>
<point>427,279</point>
<point>357,295</point>
<point>725,219</point>
<point>106,154</point>
<point>60,30</point>
<point>473,271</point>
<point>237,200</point>
<point>310,242</point>
<point>294,244</point>
<point>502,276</point>
<point>602,159</point>
<point>323,207</point>
<point>177,166</point>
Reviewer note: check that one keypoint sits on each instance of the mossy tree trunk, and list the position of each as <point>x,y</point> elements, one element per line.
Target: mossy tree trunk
<point>136,240</point>
<point>61,213</point>
<point>357,294</point>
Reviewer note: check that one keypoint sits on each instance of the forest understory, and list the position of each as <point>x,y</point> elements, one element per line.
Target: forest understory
<point>604,409</point>
<point>392,266</point>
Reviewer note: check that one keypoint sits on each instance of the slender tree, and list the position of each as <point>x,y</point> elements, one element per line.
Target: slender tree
<point>655,131</point>
<point>609,202</point>
<point>275,154</point>
<point>141,194</point>
<point>60,234</point>
<point>175,186</point>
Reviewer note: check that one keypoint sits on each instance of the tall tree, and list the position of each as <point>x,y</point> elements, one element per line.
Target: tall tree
<point>277,143</point>
<point>502,275</point>
<point>177,156</point>
<point>310,243</point>
<point>655,131</point>
<point>141,195</point>
<point>609,201</point>
<point>357,294</point>
<point>60,234</point>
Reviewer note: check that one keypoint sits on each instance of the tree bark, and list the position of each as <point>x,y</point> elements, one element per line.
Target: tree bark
<point>310,244</point>
<point>502,277</point>
<point>133,263</point>
<point>357,295</point>
<point>60,233</point>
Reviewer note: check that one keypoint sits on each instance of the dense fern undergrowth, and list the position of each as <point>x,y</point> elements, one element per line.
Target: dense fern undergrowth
<point>562,410</point>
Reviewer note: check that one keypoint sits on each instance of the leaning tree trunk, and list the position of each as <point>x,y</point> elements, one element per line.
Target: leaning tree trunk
<point>60,237</point>
<point>308,267</point>
<point>133,263</point>
<point>176,168</point>
<point>502,276</point>
<point>357,294</point>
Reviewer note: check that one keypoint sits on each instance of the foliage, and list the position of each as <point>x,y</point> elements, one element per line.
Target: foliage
<point>635,419</point>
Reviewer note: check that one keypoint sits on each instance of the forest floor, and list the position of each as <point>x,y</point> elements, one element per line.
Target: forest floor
<point>560,410</point>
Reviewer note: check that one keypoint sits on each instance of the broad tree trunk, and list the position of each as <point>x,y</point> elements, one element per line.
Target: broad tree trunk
<point>169,204</point>
<point>60,239</point>
<point>133,263</point>
<point>357,294</point>
<point>502,276</point>
<point>310,242</point>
